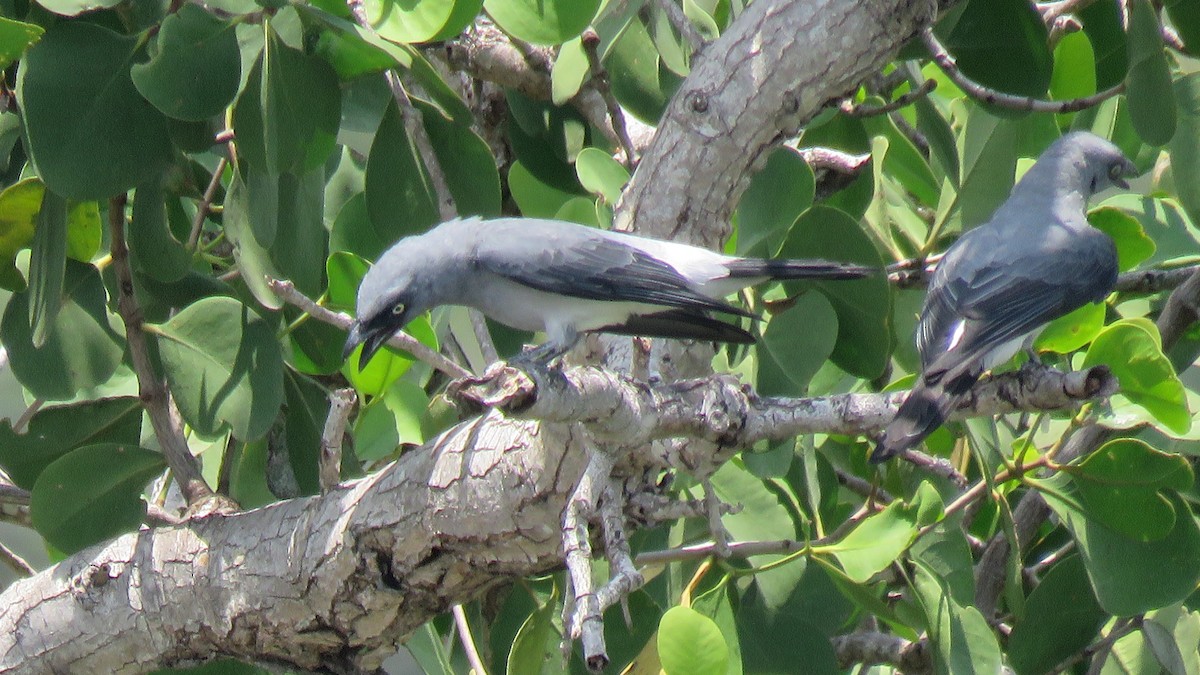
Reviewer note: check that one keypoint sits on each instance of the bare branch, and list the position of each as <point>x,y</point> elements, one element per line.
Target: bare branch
<point>205,205</point>
<point>913,658</point>
<point>591,43</point>
<point>153,392</point>
<point>1013,102</point>
<point>341,402</point>
<point>834,160</point>
<point>468,641</point>
<point>863,110</point>
<point>14,562</point>
<point>287,292</point>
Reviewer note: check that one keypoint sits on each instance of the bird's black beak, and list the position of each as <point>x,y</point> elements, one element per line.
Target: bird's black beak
<point>372,340</point>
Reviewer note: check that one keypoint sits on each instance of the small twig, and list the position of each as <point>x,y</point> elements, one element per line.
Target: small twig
<point>1000,99</point>
<point>737,549</point>
<point>712,505</point>
<point>15,562</point>
<point>591,45</point>
<point>287,292</point>
<point>1171,39</point>
<point>833,160</point>
<point>869,648</point>
<point>486,345</point>
<point>935,465</point>
<point>154,395</point>
<point>863,110</point>
<point>584,620</point>
<point>468,642</point>
<point>22,422</point>
<point>682,23</point>
<point>341,401</point>
<point>224,136</point>
<point>205,205</point>
<point>157,516</point>
<point>862,487</point>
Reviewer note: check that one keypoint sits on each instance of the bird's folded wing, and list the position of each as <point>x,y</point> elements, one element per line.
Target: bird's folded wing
<point>598,269</point>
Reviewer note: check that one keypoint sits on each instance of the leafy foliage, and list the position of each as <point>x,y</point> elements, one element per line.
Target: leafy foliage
<point>118,98</point>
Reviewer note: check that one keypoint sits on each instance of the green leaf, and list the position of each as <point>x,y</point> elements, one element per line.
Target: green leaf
<point>690,643</point>
<point>547,139</point>
<point>1061,618</point>
<point>353,232</point>
<point>77,7</point>
<point>388,365</point>
<point>903,161</point>
<point>542,22</point>
<point>778,193</point>
<point>989,162</point>
<point>1074,69</point>
<point>787,642</point>
<point>535,645</point>
<point>600,174</point>
<point>876,542</point>
<point>1133,246</point>
<point>289,207</point>
<point>411,21</point>
<point>224,367</point>
<point>15,38</point>
<point>1131,577</point>
<point>1185,17</point>
<point>1102,23</point>
<point>1185,145</point>
<point>1132,349</point>
<point>307,408</point>
<point>1072,331</point>
<point>56,430</point>
<point>474,182</point>
<point>1148,84</point>
<point>152,247</point>
<point>346,272</point>
<point>795,345</point>
<point>400,198</point>
<point>1163,220</point>
<point>90,133</point>
<point>92,494</point>
<point>81,348</point>
<point>197,69</point>
<point>1121,485</point>
<point>638,83</point>
<point>47,265</point>
<point>985,28</point>
<point>535,198</point>
<point>463,15</point>
<point>962,639</point>
<point>571,69</point>
<point>20,205</point>
<point>287,116</point>
<point>863,306</point>
<point>253,259</point>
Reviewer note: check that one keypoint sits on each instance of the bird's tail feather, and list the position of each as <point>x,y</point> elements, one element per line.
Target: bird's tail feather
<point>797,269</point>
<point>921,414</point>
<point>681,324</point>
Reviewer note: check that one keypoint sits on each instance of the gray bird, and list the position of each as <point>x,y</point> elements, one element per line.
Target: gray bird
<point>1035,260</point>
<point>565,279</point>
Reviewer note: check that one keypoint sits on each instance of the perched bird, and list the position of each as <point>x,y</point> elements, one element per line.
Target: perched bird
<point>565,279</point>
<point>995,288</point>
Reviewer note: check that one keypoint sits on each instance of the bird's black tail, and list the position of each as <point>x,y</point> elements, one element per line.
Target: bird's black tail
<point>797,269</point>
<point>921,414</point>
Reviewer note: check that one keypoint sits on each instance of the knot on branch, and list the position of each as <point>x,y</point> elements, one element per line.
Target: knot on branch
<point>503,387</point>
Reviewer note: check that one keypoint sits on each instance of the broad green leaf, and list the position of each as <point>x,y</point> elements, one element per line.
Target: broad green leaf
<point>466,161</point>
<point>1130,576</point>
<point>1133,246</point>
<point>400,198</point>
<point>15,38</point>
<point>945,551</point>
<point>1185,145</point>
<point>795,345</point>
<point>351,49</point>
<point>638,83</point>
<point>316,347</point>
<point>962,640</point>
<point>845,133</point>
<point>1121,485</point>
<point>1166,643</point>
<point>345,271</point>
<point>778,193</point>
<point>786,642</point>
<point>571,69</point>
<point>1164,221</point>
<point>672,47</point>
<point>942,147</point>
<point>288,208</point>
<point>535,198</point>
<point>92,493</point>
<point>197,69</point>
<point>1072,331</point>
<point>546,139</point>
<point>1133,351</point>
<point>56,430</point>
<point>1102,23</point>
<point>542,22</point>
<point>19,206</point>
<point>689,643</point>
<point>411,21</point>
<point>1148,84</point>
<point>536,643</point>
<point>600,174</point>
<point>77,7</point>
<point>47,265</point>
<point>876,542</point>
<point>863,306</point>
<point>152,248</point>
<point>253,259</point>
<point>903,162</point>
<point>307,408</point>
<point>1164,648</point>
<point>287,116</point>
<point>463,16</point>
<point>81,349</point>
<point>1185,17</point>
<point>89,132</point>
<point>1074,69</point>
<point>989,162</point>
<point>387,365</point>
<point>224,367</point>
<point>985,28</point>
<point>353,232</point>
<point>579,210</point>
<point>1061,617</point>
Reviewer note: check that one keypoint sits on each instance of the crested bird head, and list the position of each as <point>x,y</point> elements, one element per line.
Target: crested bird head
<point>392,293</point>
<point>1087,163</point>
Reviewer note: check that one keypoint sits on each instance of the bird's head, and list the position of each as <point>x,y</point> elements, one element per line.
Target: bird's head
<point>388,298</point>
<point>1099,163</point>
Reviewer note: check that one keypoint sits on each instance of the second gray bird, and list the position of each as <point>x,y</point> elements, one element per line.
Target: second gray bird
<point>565,279</point>
<point>1035,260</point>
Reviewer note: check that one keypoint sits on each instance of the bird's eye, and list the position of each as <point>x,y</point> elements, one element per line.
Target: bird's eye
<point>398,308</point>
<point>1114,171</point>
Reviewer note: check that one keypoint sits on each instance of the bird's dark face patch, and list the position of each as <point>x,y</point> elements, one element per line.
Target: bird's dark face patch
<point>372,332</point>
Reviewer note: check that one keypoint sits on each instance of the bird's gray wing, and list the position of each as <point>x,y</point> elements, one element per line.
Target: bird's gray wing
<point>1001,299</point>
<point>595,268</point>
